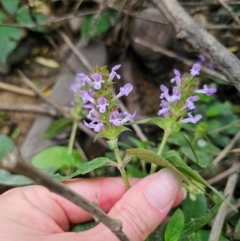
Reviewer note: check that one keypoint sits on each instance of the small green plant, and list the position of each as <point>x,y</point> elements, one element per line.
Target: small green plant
<point>187,145</point>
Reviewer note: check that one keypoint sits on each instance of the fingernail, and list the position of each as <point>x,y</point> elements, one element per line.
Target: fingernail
<point>162,189</point>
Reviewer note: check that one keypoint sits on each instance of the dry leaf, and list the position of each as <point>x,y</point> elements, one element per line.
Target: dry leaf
<point>50,63</point>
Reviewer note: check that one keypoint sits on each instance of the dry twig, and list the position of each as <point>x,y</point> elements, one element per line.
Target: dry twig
<point>221,214</point>
<point>14,163</point>
<point>16,89</point>
<point>225,151</point>
<point>171,54</point>
<point>201,40</point>
<point>230,11</point>
<point>28,108</point>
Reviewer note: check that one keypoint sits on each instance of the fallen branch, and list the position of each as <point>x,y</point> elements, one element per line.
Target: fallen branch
<point>16,89</point>
<point>222,211</point>
<point>28,108</point>
<point>201,40</point>
<point>14,163</point>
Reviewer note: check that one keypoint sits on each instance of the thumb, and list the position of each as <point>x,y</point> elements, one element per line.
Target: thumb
<point>144,206</point>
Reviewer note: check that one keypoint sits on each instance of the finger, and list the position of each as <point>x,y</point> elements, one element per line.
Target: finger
<point>180,196</point>
<point>103,191</point>
<point>141,209</point>
<point>144,206</point>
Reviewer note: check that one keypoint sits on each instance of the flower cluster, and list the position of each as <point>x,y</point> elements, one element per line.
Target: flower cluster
<point>180,102</point>
<point>97,94</point>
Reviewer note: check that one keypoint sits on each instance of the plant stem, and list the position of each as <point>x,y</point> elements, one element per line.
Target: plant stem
<point>72,137</point>
<point>121,169</point>
<point>160,149</point>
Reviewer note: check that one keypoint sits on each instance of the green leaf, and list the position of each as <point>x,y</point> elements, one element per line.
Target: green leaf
<point>171,159</point>
<point>9,38</point>
<point>57,127</point>
<point>175,226</point>
<point>10,6</point>
<point>237,230</point>
<point>86,168</point>
<point>194,208</point>
<point>197,223</point>
<point>8,179</point>
<point>158,234</point>
<point>218,109</point>
<point>203,235</point>
<point>202,157</point>
<point>2,16</point>
<point>6,145</point>
<point>84,226</point>
<point>24,17</point>
<point>56,157</point>
<point>93,26</point>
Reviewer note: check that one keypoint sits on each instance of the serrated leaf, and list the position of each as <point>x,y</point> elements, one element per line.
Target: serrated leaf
<point>56,157</point>
<point>174,226</point>
<point>9,38</point>
<point>57,127</point>
<point>6,145</point>
<point>10,6</point>
<point>197,223</point>
<point>86,168</point>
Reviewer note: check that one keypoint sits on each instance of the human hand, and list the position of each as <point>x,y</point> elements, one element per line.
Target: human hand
<point>34,213</point>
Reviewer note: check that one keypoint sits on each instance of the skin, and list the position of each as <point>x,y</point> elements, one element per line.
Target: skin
<point>34,213</point>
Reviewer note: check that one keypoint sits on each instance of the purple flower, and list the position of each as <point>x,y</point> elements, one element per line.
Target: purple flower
<point>92,114</point>
<point>97,81</point>
<point>165,108</point>
<point>206,90</point>
<point>88,106</point>
<point>80,81</point>
<point>102,104</point>
<point>177,77</point>
<point>165,91</point>
<point>96,125</point>
<point>127,117</point>
<point>195,69</point>
<point>201,58</point>
<point>191,119</point>
<point>125,90</point>
<point>175,97</point>
<point>86,96</point>
<point>114,73</point>
<point>118,119</point>
<point>189,102</point>
<point>84,79</point>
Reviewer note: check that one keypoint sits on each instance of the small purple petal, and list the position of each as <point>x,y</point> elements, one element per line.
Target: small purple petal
<point>96,125</point>
<point>206,90</point>
<point>175,97</point>
<point>86,96</point>
<point>114,73</point>
<point>102,104</point>
<point>125,90</point>
<point>189,102</point>
<point>177,77</point>
<point>165,91</point>
<point>127,117</point>
<point>92,114</point>
<point>191,119</point>
<point>195,69</point>
<point>115,118</point>
<point>165,108</point>
<point>201,58</point>
<point>97,81</point>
